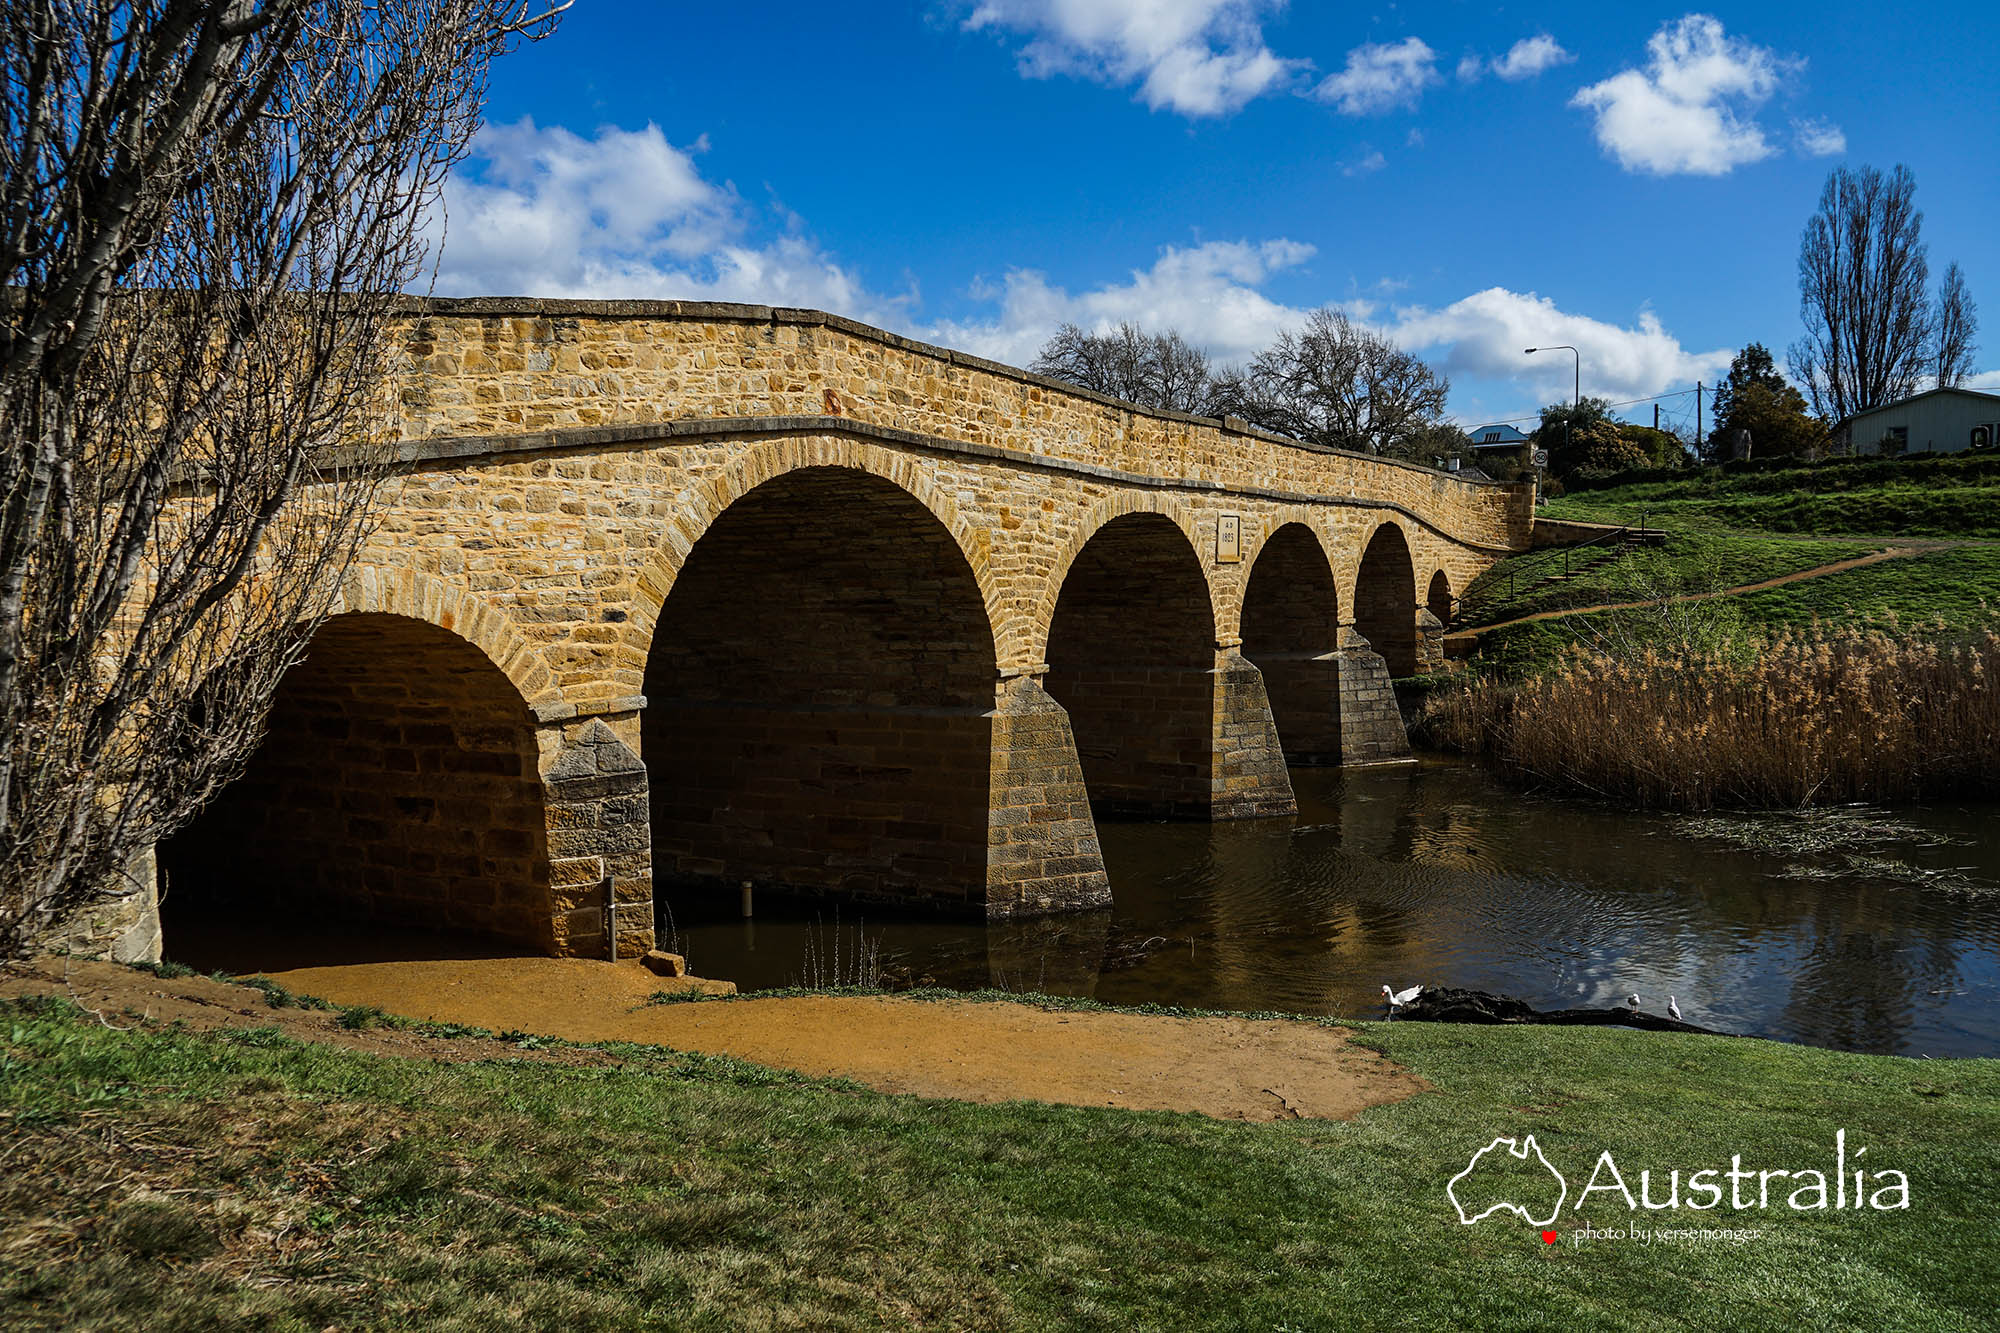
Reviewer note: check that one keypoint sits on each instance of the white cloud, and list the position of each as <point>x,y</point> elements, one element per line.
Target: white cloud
<point>1483,335</point>
<point>1818,138</point>
<point>1985,379</point>
<point>1529,57</point>
<point>1370,160</point>
<point>626,214</point>
<point>1196,57</point>
<point>1470,68</point>
<point>1208,292</point>
<point>1381,77</point>
<point>1692,109</point>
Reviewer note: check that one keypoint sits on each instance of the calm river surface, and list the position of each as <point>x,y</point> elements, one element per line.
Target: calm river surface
<point>1864,929</point>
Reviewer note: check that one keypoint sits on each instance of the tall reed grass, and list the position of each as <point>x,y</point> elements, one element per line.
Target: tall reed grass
<point>1812,717</point>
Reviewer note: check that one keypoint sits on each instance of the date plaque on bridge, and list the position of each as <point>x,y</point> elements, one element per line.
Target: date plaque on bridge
<point>1229,539</point>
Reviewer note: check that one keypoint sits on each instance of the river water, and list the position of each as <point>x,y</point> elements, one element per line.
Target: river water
<point>1863,929</point>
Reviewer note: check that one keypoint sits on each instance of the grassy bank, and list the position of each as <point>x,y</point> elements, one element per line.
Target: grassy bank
<point>1694,562</point>
<point>1948,496</point>
<point>161,1179</point>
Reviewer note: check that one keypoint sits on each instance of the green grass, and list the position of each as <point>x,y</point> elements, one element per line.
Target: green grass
<point>1952,496</point>
<point>1953,591</point>
<point>175,1180</point>
<point>1691,561</point>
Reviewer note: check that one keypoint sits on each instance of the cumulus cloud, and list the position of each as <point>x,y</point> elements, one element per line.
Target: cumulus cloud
<point>1482,336</point>
<point>547,212</point>
<point>1530,56</point>
<point>1988,380</point>
<point>623,214</point>
<point>1370,160</point>
<point>1209,292</point>
<point>1818,138</point>
<point>1196,57</point>
<point>1692,108</point>
<point>1381,77</point>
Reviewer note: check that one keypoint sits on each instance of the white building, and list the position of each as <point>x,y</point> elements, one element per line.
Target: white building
<point>1939,421</point>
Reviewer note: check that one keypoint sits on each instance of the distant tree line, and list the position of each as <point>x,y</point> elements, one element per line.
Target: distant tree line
<point>1330,382</point>
<point>1874,333</point>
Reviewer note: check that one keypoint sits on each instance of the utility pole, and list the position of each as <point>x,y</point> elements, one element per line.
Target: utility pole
<point>1697,417</point>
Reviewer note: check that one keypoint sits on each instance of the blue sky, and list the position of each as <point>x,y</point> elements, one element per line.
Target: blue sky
<point>1469,180</point>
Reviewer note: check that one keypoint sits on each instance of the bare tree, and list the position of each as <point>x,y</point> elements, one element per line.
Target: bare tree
<point>207,208</point>
<point>1157,370</point>
<point>1957,322</point>
<point>1862,275</point>
<point>1338,384</point>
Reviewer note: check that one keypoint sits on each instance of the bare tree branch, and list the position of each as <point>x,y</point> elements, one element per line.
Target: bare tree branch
<point>1957,324</point>
<point>1862,275</point>
<point>207,208</point>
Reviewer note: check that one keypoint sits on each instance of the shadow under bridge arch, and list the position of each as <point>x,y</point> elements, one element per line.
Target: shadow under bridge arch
<point>819,695</point>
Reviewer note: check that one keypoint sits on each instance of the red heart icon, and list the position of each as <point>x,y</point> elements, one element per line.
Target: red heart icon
<point>1548,1238</point>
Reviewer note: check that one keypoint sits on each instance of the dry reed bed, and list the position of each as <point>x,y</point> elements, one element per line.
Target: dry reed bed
<point>1818,716</point>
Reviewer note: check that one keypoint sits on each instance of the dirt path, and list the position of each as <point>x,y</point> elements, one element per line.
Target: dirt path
<point>1228,1068</point>
<point>1796,576</point>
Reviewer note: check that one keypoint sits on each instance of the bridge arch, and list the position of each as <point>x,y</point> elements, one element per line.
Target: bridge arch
<point>1131,652</point>
<point>820,683</point>
<point>384,590</point>
<point>1438,599</point>
<point>1101,514</point>
<point>397,783</point>
<point>695,509</point>
<point>1385,598</point>
<point>1291,629</point>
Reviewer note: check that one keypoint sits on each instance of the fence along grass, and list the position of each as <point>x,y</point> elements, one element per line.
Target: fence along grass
<point>1815,716</point>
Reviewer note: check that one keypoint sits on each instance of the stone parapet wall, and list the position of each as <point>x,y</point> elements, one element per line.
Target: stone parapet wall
<point>502,366</point>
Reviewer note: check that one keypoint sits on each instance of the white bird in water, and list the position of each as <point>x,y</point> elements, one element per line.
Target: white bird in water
<point>1397,999</point>
<point>1673,1010</point>
<point>1632,1001</point>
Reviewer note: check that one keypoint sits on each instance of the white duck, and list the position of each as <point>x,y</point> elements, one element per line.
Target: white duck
<point>1398,998</point>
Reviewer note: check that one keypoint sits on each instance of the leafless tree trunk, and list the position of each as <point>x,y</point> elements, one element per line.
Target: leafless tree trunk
<point>1338,384</point>
<point>1957,323</point>
<point>1862,275</point>
<point>206,207</point>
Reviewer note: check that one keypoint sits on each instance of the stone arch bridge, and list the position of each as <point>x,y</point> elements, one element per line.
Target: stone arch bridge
<point>676,596</point>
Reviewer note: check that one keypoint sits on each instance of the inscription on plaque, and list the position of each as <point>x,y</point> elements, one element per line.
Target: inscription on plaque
<point>1229,539</point>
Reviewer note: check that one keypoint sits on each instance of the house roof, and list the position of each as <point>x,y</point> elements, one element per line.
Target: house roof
<point>1853,417</point>
<point>1495,435</point>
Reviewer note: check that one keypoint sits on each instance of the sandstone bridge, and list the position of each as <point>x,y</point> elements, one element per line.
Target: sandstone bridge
<point>674,596</point>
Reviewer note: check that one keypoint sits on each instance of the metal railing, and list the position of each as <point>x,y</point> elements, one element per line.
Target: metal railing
<point>1548,565</point>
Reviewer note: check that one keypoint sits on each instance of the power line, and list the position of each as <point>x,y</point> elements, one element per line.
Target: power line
<point>1629,402</point>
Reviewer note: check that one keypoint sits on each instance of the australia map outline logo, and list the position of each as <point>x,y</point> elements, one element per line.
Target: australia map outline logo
<point>1514,1182</point>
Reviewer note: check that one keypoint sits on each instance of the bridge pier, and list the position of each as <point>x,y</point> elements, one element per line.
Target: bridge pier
<point>1371,726</point>
<point>600,840</point>
<point>1042,853</point>
<point>1250,779</point>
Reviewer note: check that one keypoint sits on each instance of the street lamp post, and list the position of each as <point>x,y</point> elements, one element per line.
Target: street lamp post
<point>1576,388</point>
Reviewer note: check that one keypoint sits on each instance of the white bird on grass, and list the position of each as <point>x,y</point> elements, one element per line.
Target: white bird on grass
<point>1673,1010</point>
<point>1397,999</point>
